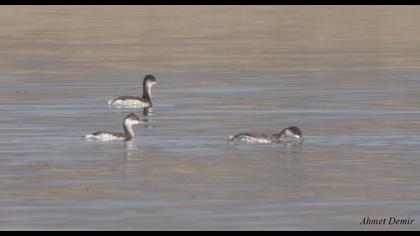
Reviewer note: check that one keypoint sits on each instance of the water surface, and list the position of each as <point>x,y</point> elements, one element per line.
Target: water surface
<point>347,76</point>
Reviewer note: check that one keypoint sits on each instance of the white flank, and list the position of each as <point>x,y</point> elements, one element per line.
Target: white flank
<point>251,140</point>
<point>128,103</point>
<point>103,137</point>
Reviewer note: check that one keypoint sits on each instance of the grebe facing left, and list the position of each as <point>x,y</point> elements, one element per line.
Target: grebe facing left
<point>290,134</point>
<point>128,135</point>
<point>134,101</point>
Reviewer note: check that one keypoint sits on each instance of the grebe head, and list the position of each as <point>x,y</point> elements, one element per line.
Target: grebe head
<point>149,81</point>
<point>295,131</point>
<point>291,132</point>
<point>132,119</point>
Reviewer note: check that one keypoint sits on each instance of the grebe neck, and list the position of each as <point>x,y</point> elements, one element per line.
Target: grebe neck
<point>128,130</point>
<point>147,92</point>
<point>277,137</point>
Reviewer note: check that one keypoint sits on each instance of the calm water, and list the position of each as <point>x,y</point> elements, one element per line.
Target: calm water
<point>349,77</point>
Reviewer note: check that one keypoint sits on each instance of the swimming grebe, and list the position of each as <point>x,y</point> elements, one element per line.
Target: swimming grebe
<point>290,134</point>
<point>137,102</point>
<point>128,135</point>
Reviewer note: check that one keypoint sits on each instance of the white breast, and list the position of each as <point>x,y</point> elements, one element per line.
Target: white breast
<point>103,137</point>
<point>128,103</point>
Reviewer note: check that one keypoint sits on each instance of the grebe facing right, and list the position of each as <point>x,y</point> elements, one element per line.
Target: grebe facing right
<point>128,135</point>
<point>134,101</point>
<point>290,134</point>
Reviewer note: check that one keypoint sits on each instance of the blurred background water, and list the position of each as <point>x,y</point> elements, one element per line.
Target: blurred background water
<point>347,76</point>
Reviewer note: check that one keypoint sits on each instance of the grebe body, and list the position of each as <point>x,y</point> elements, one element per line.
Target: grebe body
<point>290,134</point>
<point>128,135</point>
<point>134,101</point>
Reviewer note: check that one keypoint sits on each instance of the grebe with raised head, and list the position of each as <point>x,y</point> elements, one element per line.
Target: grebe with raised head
<point>290,134</point>
<point>128,135</point>
<point>134,101</point>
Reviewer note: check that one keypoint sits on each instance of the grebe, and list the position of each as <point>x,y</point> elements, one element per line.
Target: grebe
<point>128,135</point>
<point>290,134</point>
<point>137,102</point>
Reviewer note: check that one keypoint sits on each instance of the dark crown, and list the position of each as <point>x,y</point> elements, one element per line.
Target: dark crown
<point>133,116</point>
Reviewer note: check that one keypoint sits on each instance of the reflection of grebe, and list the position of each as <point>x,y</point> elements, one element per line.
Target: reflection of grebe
<point>137,102</point>
<point>147,111</point>
<point>128,135</point>
<point>290,134</point>
<point>130,150</point>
